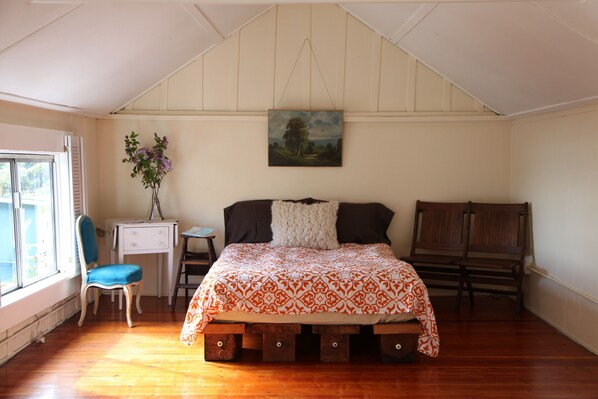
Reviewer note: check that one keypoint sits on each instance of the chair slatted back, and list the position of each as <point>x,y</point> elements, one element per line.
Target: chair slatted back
<point>499,228</point>
<point>440,227</point>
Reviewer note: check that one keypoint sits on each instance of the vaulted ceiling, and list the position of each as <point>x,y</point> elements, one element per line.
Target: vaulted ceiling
<point>95,56</point>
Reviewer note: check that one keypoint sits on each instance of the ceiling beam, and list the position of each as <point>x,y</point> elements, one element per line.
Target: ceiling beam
<point>49,23</point>
<point>48,105</point>
<point>199,17</point>
<point>412,22</point>
<point>565,23</point>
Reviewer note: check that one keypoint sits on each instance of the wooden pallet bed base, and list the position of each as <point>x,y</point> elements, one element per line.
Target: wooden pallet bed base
<point>224,341</point>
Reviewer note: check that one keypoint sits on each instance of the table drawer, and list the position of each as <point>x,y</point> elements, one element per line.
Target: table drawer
<point>146,238</point>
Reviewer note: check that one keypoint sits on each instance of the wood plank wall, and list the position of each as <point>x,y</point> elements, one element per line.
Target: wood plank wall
<point>302,56</point>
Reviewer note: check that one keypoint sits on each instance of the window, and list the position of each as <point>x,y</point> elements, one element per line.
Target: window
<point>40,196</point>
<point>27,220</point>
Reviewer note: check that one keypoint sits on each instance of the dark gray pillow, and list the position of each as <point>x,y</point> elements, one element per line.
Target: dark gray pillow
<point>363,223</point>
<point>250,221</point>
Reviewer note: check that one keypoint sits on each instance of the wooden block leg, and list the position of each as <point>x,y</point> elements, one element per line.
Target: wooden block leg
<point>279,348</point>
<point>278,340</point>
<point>398,341</point>
<point>398,348</point>
<point>222,347</point>
<point>334,341</point>
<point>223,342</point>
<point>334,348</point>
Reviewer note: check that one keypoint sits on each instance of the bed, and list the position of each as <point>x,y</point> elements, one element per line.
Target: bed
<point>309,262</point>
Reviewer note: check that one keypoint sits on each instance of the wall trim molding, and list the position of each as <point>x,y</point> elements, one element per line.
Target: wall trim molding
<point>581,108</point>
<point>564,284</point>
<point>349,117</point>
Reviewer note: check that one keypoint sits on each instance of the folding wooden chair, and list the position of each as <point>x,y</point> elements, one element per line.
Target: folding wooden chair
<point>440,233</point>
<point>496,250</point>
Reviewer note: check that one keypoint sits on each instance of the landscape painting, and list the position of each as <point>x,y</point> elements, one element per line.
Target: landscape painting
<point>305,138</point>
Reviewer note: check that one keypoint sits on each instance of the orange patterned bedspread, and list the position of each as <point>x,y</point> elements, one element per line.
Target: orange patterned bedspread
<point>354,279</point>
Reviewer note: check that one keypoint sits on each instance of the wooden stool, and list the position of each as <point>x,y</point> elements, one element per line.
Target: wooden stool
<point>193,264</point>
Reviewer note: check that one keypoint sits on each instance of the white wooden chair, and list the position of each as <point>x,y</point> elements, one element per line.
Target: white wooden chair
<point>112,276</point>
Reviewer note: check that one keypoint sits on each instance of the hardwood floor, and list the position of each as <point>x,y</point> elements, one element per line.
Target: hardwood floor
<point>484,354</point>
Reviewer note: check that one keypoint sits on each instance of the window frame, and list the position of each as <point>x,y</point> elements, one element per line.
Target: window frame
<point>63,219</point>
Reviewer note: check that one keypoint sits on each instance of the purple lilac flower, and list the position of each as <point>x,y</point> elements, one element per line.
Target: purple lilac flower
<point>166,165</point>
<point>143,153</point>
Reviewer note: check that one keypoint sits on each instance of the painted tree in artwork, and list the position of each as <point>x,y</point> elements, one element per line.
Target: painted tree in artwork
<point>296,136</point>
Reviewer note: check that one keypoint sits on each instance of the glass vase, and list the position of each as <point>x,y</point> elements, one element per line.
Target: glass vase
<point>155,212</point>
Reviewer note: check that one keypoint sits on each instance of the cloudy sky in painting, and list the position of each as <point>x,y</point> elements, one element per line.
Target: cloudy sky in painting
<point>321,124</point>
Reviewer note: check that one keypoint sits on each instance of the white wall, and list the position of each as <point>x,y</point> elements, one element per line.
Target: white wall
<point>554,164</point>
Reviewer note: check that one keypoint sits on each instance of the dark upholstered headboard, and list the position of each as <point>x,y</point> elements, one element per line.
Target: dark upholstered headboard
<point>361,223</point>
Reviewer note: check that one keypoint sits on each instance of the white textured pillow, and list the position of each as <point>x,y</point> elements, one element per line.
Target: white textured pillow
<point>301,225</point>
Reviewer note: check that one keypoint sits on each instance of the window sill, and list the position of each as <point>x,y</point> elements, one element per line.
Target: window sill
<point>20,305</point>
<point>22,293</point>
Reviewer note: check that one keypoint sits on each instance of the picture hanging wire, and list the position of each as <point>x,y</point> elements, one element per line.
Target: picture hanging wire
<point>311,50</point>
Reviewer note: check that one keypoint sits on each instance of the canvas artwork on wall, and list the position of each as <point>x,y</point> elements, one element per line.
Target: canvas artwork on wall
<point>305,138</point>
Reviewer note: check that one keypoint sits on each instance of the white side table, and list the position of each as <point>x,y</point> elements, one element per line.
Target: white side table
<point>130,237</point>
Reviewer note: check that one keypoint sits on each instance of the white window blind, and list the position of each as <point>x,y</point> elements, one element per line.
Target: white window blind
<point>30,139</point>
<point>74,146</point>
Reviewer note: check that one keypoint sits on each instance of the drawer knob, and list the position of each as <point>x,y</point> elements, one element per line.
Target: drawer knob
<point>220,344</point>
<point>398,347</point>
<point>335,344</point>
<point>133,244</point>
<point>279,344</point>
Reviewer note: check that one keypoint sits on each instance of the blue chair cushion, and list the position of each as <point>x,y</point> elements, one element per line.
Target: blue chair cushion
<point>121,274</point>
